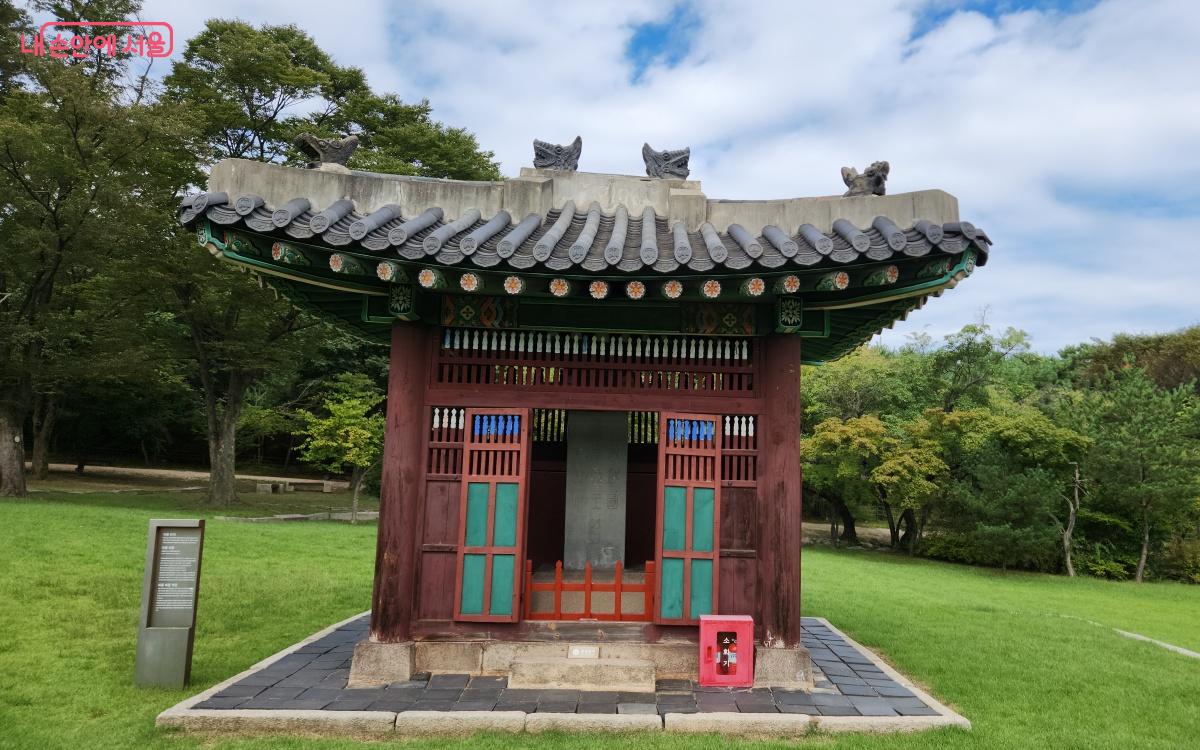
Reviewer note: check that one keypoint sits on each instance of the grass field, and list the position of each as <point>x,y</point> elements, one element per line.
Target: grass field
<point>1015,653</point>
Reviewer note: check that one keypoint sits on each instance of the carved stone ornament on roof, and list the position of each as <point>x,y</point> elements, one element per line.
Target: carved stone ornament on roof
<point>326,152</point>
<point>555,156</point>
<point>870,182</point>
<point>666,164</point>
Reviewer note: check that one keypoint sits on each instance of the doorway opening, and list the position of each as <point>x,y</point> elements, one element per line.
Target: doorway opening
<point>592,516</point>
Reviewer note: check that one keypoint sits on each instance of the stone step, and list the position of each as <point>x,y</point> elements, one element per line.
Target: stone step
<point>542,672</point>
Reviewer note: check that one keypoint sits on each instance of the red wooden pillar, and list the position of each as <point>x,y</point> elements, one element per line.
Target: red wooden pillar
<point>779,497</point>
<point>401,485</point>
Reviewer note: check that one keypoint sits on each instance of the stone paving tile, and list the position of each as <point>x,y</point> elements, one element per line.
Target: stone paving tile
<point>637,708</point>
<point>841,680</point>
<point>803,708</point>
<point>387,704</point>
<point>872,706</point>
<point>217,702</point>
<point>279,693</point>
<point>240,691</point>
<point>823,699</point>
<point>441,694</point>
<point>847,683</point>
<point>475,695</point>
<point>838,711</point>
<point>521,694</point>
<point>349,704</point>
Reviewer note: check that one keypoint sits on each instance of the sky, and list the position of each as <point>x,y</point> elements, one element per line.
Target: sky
<point>1069,131</point>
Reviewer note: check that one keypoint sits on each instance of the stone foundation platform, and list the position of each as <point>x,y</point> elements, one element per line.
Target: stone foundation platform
<point>305,689</point>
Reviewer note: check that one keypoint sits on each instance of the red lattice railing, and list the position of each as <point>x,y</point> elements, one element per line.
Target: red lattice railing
<point>533,360</point>
<point>617,587</point>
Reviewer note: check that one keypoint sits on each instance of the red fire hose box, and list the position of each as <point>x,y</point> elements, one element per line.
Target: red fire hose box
<point>726,650</point>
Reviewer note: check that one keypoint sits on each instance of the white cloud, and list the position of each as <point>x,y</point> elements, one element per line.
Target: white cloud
<point>1051,128</point>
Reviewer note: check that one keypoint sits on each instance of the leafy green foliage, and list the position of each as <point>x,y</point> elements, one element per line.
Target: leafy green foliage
<point>350,431</point>
<point>973,444</point>
<point>256,89</point>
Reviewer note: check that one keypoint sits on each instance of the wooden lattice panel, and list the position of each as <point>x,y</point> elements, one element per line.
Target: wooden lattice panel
<point>445,443</point>
<point>739,451</point>
<point>614,363</point>
<point>689,512</point>
<point>492,514</point>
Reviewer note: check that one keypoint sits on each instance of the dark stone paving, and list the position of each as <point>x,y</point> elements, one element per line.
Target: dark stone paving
<point>847,683</point>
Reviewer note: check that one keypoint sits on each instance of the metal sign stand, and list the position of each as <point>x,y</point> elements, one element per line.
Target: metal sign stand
<point>167,625</point>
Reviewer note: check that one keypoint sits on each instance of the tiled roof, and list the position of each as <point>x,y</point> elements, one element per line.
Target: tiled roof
<point>583,242</point>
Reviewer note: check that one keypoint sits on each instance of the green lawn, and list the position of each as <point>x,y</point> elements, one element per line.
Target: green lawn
<point>1012,652</point>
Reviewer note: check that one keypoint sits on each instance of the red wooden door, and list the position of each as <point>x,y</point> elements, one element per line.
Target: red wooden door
<point>491,520</point>
<point>689,513</point>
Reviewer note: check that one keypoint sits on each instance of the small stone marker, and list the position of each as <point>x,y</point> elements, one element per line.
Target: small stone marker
<point>167,625</point>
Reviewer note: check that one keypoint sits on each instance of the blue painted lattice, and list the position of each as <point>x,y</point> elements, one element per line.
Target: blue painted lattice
<point>690,429</point>
<point>496,424</point>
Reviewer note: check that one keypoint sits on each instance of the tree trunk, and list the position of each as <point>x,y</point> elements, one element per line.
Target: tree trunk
<point>222,481</point>
<point>920,535</point>
<point>849,532</point>
<point>1068,531</point>
<point>356,477</point>
<point>12,452</point>
<point>1141,568</point>
<point>895,533</point>
<point>908,538</point>
<point>45,413</point>
<point>223,411</point>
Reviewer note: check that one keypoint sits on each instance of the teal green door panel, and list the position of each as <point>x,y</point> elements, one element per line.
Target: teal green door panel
<point>701,588</point>
<point>674,518</point>
<point>504,533</point>
<point>477,515</point>
<point>474,569</point>
<point>702,519</point>
<point>672,588</point>
<point>502,585</point>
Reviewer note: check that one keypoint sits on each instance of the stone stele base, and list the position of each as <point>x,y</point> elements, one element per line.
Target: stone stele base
<point>377,664</point>
<point>783,667</point>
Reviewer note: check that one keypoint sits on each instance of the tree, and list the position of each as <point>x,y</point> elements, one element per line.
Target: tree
<point>1074,503</point>
<point>84,155</point>
<point>251,88</point>
<point>258,88</point>
<point>349,433</point>
<point>1006,467</point>
<point>1145,454</point>
<point>860,461</point>
<point>971,360</point>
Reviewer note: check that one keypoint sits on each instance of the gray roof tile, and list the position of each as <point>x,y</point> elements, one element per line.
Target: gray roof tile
<point>591,240</point>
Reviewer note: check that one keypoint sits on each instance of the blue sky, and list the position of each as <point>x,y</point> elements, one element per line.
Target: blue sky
<point>1069,130</point>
